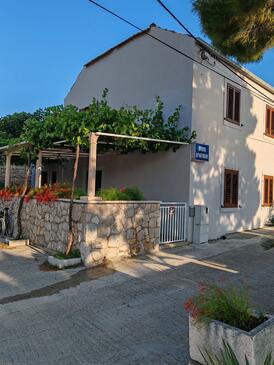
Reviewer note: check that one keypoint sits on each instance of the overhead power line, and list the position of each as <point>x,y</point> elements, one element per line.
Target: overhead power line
<point>176,49</point>
<point>197,40</point>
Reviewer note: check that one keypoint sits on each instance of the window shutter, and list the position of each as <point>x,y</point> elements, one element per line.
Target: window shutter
<point>231,188</point>
<point>230,102</point>
<point>272,123</point>
<point>235,181</point>
<point>271,191</point>
<point>237,107</point>
<point>268,191</point>
<point>227,193</point>
<point>267,122</point>
<point>233,104</point>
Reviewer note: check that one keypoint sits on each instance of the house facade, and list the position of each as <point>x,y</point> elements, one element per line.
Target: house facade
<point>234,123</point>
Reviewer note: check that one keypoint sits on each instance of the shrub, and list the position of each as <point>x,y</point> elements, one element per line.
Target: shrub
<point>229,305</point>
<point>73,255</point>
<point>132,193</point>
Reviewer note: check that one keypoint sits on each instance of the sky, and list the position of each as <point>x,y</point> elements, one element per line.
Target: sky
<point>44,44</point>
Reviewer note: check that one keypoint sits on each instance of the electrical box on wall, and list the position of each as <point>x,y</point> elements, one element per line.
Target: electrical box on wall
<point>200,224</point>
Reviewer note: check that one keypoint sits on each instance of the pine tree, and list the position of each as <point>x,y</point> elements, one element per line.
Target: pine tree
<point>243,29</point>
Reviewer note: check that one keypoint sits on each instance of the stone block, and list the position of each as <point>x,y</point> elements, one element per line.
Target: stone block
<point>91,232</point>
<point>131,233</point>
<point>114,241</point>
<point>95,220</point>
<point>103,231</point>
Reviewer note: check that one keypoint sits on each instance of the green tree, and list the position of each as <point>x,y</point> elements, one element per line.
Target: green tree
<point>38,134</point>
<point>241,29</point>
<point>11,127</point>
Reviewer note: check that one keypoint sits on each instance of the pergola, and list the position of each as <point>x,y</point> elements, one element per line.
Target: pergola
<point>57,152</point>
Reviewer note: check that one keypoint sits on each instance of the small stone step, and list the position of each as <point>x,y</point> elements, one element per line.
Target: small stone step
<point>15,243</point>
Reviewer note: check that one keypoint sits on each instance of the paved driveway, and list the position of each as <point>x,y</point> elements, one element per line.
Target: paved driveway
<point>133,315</point>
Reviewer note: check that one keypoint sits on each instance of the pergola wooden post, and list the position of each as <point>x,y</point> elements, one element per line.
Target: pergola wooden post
<point>92,166</point>
<point>38,171</point>
<point>8,169</point>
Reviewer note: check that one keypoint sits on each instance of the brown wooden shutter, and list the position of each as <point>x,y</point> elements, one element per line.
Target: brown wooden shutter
<point>231,188</point>
<point>267,121</point>
<point>235,187</point>
<point>230,102</point>
<point>272,123</point>
<point>237,106</point>
<point>271,191</point>
<point>233,104</point>
<point>268,191</point>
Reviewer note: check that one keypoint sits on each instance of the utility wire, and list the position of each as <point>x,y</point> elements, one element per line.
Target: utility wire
<point>199,42</point>
<point>173,48</point>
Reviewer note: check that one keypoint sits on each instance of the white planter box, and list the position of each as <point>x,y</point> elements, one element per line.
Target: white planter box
<point>61,264</point>
<point>255,345</point>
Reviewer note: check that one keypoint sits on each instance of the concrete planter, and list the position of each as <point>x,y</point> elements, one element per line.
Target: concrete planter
<point>255,345</point>
<point>61,264</point>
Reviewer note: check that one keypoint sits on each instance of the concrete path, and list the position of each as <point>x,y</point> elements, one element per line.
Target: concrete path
<point>133,316</point>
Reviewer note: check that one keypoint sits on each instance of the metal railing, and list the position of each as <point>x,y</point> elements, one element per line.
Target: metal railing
<point>173,222</point>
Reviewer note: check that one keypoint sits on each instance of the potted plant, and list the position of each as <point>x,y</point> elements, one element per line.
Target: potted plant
<point>218,315</point>
<point>60,260</point>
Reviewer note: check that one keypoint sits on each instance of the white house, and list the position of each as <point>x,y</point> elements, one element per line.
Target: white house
<point>233,116</point>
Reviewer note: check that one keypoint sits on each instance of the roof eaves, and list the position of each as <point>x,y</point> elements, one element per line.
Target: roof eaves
<point>134,36</point>
<point>236,66</point>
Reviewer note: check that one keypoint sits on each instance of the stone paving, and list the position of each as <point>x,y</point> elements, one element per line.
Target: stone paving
<point>133,316</point>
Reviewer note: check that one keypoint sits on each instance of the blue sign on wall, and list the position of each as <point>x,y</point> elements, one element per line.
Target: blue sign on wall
<point>201,152</point>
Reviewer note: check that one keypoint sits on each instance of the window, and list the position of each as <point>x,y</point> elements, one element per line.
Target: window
<point>268,191</point>
<point>269,121</point>
<point>233,104</point>
<point>231,187</point>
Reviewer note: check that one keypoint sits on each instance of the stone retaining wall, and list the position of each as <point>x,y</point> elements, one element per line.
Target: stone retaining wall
<point>103,230</point>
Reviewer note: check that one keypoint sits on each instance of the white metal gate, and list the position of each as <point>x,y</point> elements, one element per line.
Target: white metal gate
<point>173,222</point>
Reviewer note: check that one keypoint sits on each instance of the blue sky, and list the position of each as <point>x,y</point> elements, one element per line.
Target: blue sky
<point>44,44</point>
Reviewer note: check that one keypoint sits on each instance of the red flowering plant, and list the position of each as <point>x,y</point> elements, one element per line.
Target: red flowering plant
<point>50,193</point>
<point>9,193</point>
<point>229,305</point>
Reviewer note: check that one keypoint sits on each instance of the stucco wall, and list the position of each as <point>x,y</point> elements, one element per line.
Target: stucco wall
<point>243,148</point>
<point>138,72</point>
<point>103,230</point>
<point>160,176</point>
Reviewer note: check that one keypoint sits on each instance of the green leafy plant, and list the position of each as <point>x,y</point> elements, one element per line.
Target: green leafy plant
<point>228,357</point>
<point>132,193</point>
<point>72,255</point>
<point>229,305</point>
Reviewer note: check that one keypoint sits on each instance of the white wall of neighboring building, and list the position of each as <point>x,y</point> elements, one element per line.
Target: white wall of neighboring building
<point>244,148</point>
<point>137,72</point>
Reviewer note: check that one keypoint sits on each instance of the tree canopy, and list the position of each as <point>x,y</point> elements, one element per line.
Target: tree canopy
<point>11,127</point>
<point>241,29</point>
<point>68,123</point>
